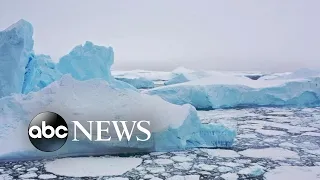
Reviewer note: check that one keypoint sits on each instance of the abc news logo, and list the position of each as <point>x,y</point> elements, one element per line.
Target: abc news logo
<point>48,131</point>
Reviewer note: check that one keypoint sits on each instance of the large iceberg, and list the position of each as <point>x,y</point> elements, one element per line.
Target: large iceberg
<point>224,91</point>
<point>173,127</point>
<point>80,87</point>
<point>16,45</point>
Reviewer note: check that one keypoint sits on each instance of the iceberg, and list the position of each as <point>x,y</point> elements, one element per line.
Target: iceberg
<point>224,91</point>
<point>87,61</point>
<point>173,127</point>
<point>40,72</point>
<point>16,47</point>
<point>181,75</point>
<point>90,61</point>
<point>179,78</point>
<point>139,83</point>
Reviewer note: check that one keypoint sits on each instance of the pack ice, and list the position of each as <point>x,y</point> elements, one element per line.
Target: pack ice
<point>80,87</point>
<point>225,91</point>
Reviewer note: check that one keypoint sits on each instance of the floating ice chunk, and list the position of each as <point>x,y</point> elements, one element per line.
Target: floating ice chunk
<point>205,167</point>
<point>156,178</point>
<point>293,172</point>
<point>287,144</point>
<point>224,169</point>
<point>230,176</point>
<point>188,177</point>
<point>163,161</point>
<point>252,171</point>
<point>28,176</point>
<point>5,177</point>
<point>221,153</point>
<point>271,132</point>
<point>249,136</point>
<point>311,134</point>
<point>314,151</point>
<point>16,46</point>
<point>183,165</point>
<point>92,166</point>
<point>155,170</point>
<point>116,178</point>
<point>181,158</point>
<point>47,176</point>
<point>270,153</point>
<point>230,164</point>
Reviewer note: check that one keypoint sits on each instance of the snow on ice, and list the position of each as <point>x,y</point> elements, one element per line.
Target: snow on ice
<point>226,91</point>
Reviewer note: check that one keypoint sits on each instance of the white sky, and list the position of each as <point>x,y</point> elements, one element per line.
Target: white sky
<point>266,35</point>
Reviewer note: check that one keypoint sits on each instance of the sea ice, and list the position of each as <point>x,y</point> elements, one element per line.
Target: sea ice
<point>230,176</point>
<point>181,158</point>
<point>271,132</point>
<point>188,177</point>
<point>163,161</point>
<point>47,176</point>
<point>91,166</point>
<point>221,153</point>
<point>270,153</point>
<point>311,134</point>
<point>293,172</point>
<point>252,171</point>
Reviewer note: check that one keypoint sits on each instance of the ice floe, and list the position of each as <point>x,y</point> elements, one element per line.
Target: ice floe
<point>92,166</point>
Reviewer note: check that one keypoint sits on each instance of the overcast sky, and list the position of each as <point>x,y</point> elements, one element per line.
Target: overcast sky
<point>265,35</point>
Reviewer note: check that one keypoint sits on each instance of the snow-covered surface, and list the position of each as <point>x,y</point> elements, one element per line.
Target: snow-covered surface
<point>92,166</point>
